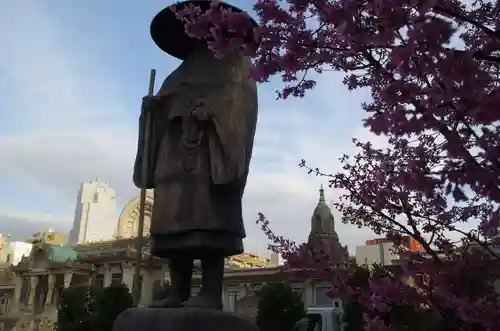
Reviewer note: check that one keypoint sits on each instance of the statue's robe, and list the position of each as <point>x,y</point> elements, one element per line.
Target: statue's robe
<point>201,145</point>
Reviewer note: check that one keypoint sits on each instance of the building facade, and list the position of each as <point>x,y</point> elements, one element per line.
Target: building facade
<point>407,242</point>
<point>49,237</point>
<point>276,258</point>
<point>382,251</point>
<point>95,213</point>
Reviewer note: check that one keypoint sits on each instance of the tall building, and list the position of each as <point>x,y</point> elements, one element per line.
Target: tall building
<point>49,237</point>
<point>95,213</point>
<point>323,232</point>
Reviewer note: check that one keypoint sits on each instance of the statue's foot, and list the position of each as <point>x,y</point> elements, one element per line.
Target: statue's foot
<point>204,301</point>
<point>169,302</point>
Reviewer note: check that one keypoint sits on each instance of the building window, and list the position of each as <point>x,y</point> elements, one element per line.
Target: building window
<point>116,278</point>
<point>320,296</point>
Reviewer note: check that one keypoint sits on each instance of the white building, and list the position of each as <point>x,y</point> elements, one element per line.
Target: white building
<point>95,213</point>
<point>276,258</point>
<point>381,253</point>
<point>20,249</point>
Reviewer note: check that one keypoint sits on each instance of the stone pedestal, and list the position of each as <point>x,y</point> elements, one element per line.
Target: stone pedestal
<point>181,319</point>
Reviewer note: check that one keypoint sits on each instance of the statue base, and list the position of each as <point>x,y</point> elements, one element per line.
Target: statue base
<point>181,319</point>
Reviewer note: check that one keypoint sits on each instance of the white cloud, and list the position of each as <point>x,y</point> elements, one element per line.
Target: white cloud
<point>57,97</point>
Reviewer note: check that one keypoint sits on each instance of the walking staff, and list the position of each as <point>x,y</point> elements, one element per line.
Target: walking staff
<point>136,289</point>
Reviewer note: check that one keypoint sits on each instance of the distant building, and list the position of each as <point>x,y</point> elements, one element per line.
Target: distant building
<point>11,252</point>
<point>19,250</point>
<point>382,251</point>
<point>49,237</point>
<point>276,258</point>
<point>95,213</point>
<point>407,242</point>
<point>323,232</point>
<point>249,260</point>
<point>5,249</point>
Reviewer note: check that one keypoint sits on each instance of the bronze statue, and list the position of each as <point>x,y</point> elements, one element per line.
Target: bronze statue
<point>202,132</point>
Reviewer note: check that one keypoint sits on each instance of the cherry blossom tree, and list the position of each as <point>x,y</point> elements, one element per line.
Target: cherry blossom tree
<point>432,68</point>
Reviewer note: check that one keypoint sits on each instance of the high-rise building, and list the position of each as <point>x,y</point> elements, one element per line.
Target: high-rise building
<point>95,213</point>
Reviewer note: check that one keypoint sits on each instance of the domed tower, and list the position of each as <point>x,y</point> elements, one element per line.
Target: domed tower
<point>323,230</point>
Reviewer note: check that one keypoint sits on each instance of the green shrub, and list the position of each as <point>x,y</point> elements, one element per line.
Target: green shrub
<point>108,304</point>
<point>279,308</point>
<point>75,309</point>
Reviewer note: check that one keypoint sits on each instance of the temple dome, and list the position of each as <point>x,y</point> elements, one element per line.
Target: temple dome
<point>129,217</point>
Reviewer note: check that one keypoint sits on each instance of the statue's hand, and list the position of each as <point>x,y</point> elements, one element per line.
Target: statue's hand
<point>151,103</point>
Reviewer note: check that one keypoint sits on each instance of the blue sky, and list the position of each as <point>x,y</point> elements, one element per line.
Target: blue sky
<point>72,75</point>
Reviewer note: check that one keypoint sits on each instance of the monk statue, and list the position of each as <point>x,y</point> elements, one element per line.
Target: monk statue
<point>203,122</point>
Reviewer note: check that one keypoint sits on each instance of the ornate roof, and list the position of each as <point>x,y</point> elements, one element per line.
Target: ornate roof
<point>61,253</point>
<point>107,245</point>
<point>46,256</point>
<point>117,250</point>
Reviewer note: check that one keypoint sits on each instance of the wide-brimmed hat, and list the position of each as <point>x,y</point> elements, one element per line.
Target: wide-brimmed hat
<point>168,32</point>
